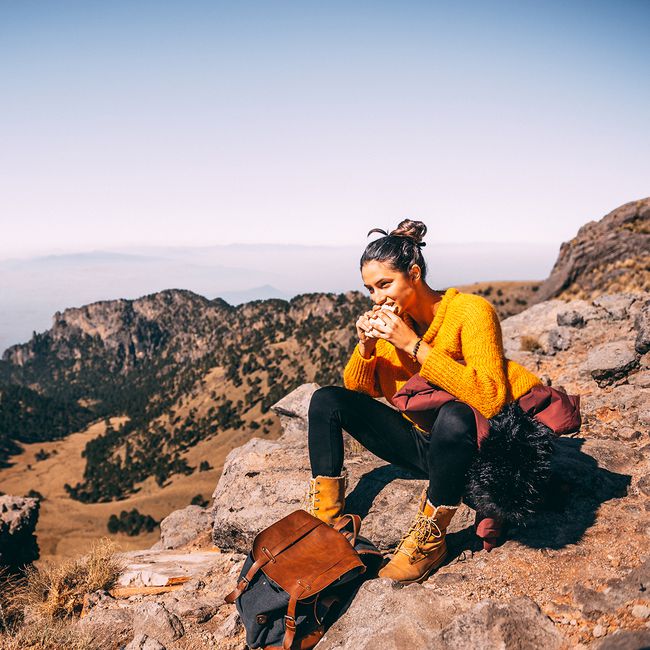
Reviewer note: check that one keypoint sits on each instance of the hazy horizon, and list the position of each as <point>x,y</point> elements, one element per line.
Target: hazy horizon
<point>33,289</point>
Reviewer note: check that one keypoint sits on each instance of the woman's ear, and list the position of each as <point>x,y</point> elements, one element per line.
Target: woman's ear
<point>415,273</point>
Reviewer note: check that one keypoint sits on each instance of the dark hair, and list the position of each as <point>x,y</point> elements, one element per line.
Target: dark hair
<point>400,248</point>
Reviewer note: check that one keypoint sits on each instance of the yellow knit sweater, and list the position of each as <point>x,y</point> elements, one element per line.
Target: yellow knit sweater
<point>466,358</point>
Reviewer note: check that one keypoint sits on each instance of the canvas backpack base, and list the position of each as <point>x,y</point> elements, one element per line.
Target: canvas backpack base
<point>299,572</point>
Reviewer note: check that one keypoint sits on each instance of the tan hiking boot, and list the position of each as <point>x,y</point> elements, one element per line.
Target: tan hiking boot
<point>326,498</point>
<point>423,549</point>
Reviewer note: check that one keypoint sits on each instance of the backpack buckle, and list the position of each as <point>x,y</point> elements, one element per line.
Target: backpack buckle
<point>289,622</point>
<point>268,554</point>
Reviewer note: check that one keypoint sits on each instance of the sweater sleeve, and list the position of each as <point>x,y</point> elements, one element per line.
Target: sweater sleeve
<point>359,373</point>
<point>481,381</point>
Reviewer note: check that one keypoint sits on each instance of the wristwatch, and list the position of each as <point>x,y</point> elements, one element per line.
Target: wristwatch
<point>414,354</point>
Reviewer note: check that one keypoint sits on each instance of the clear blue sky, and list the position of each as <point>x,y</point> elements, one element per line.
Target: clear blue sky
<point>201,122</point>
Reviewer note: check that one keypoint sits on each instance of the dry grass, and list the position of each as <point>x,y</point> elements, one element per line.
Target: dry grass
<point>529,344</point>
<point>47,634</point>
<point>48,598</point>
<point>56,591</point>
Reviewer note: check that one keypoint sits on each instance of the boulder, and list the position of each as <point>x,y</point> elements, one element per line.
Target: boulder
<point>534,325</point>
<point>515,625</point>
<point>108,627</point>
<point>625,640</point>
<point>571,318</point>
<point>182,526</point>
<point>610,362</point>
<point>392,618</point>
<point>18,518</point>
<point>385,616</point>
<point>616,305</point>
<point>156,621</point>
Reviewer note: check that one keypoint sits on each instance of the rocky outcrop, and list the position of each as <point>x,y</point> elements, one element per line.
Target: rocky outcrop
<point>606,256</point>
<point>599,476</point>
<point>575,576</point>
<point>18,518</point>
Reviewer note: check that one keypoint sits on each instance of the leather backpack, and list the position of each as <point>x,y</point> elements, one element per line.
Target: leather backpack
<point>298,573</point>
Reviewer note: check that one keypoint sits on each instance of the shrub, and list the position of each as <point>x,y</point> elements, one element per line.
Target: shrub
<point>41,454</point>
<point>132,523</point>
<point>529,344</point>
<point>198,500</point>
<point>56,591</point>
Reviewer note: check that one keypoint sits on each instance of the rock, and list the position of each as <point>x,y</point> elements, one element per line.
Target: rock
<point>593,604</point>
<point>640,379</point>
<point>604,256</point>
<point>516,625</point>
<point>182,526</point>
<point>18,518</point>
<point>197,608</point>
<point>559,338</point>
<point>644,484</point>
<point>292,410</point>
<point>150,568</point>
<point>231,627</point>
<point>156,621</point>
<point>108,626</point>
<point>392,618</point>
<point>570,318</point>
<point>609,362</point>
<point>599,631</point>
<point>143,642</point>
<point>616,305</point>
<point>625,640</point>
<point>641,611</point>
<point>642,327</point>
<point>533,325</point>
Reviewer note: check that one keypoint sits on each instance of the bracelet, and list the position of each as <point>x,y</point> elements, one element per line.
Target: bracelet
<point>414,355</point>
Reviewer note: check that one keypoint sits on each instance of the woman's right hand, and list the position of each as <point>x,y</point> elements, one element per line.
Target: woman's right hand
<point>366,343</point>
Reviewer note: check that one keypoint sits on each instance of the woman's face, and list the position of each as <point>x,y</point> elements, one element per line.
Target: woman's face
<point>386,285</point>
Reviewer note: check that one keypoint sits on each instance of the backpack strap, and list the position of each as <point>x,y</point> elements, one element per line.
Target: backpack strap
<point>356,527</point>
<point>290,616</point>
<point>242,585</point>
<point>290,623</point>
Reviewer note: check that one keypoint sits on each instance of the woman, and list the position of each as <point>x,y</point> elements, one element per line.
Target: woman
<point>453,340</point>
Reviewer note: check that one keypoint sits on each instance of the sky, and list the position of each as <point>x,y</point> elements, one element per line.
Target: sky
<point>197,123</point>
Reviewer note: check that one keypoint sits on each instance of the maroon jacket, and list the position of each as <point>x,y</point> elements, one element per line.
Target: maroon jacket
<point>560,412</point>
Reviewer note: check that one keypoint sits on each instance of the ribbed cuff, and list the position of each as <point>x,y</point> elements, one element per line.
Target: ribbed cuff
<point>360,372</point>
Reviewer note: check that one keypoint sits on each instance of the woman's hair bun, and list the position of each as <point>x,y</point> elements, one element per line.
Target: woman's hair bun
<point>414,230</point>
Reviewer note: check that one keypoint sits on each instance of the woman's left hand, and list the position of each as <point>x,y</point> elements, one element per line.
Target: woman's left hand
<point>395,330</point>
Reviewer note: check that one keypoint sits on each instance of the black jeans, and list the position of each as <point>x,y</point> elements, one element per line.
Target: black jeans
<point>443,457</point>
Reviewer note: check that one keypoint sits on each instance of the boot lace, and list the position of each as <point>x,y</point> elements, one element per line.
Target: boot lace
<point>309,502</point>
<point>420,532</point>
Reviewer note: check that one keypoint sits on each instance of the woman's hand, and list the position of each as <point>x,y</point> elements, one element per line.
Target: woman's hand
<point>393,329</point>
<point>366,333</point>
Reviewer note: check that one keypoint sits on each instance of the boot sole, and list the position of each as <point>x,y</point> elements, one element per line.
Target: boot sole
<point>427,573</point>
